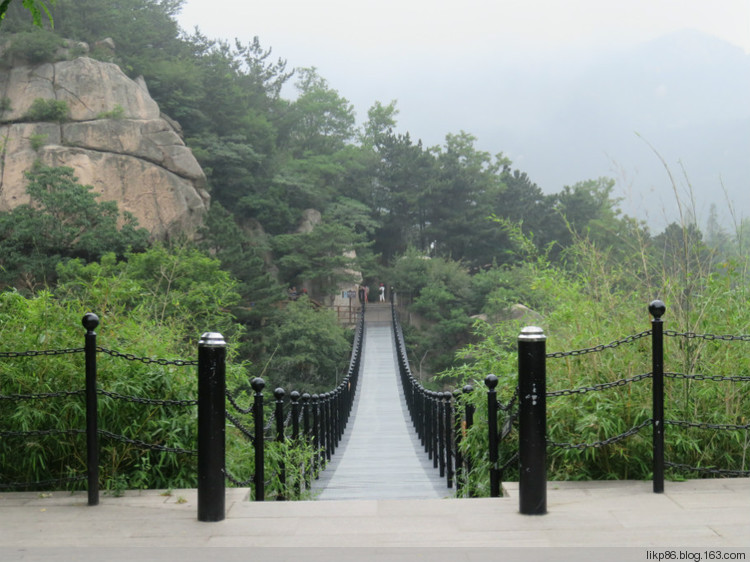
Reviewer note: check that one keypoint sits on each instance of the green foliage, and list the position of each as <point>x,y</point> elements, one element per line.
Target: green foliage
<point>598,303</point>
<point>36,46</point>
<point>43,109</point>
<point>37,9</point>
<point>117,112</point>
<point>37,141</point>
<point>63,221</point>
<point>307,348</point>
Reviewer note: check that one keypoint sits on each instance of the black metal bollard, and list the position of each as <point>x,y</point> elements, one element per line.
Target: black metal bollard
<point>307,431</point>
<point>212,351</point>
<point>90,321</point>
<point>259,441</point>
<point>532,396</point>
<point>469,417</point>
<point>491,382</point>
<point>316,432</point>
<point>297,478</point>
<point>657,310</point>
<point>279,394</point>
<point>449,425</point>
<point>440,406</point>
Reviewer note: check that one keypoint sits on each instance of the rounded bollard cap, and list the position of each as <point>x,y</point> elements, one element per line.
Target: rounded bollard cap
<point>491,381</point>
<point>258,384</point>
<point>212,339</point>
<point>657,308</point>
<point>532,333</point>
<point>90,321</point>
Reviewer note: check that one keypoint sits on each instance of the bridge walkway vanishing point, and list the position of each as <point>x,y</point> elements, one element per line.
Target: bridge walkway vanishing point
<point>380,456</point>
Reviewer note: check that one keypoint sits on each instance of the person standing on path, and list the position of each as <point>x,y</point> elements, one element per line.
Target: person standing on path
<point>382,292</point>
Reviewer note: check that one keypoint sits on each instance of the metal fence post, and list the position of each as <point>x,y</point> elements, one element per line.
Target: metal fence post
<point>279,394</point>
<point>532,419</point>
<point>469,416</point>
<point>491,382</point>
<point>211,426</point>
<point>450,423</point>
<point>258,385</point>
<point>90,322</point>
<point>657,309</point>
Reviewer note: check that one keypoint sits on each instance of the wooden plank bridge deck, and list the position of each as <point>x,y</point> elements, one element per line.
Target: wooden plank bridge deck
<point>380,456</point>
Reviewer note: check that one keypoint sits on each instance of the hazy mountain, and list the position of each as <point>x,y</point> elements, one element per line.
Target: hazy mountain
<point>585,115</point>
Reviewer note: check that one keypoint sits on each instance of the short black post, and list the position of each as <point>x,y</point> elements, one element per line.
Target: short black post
<point>90,322</point>
<point>532,419</point>
<point>440,405</point>
<point>657,310</point>
<point>491,382</point>
<point>316,432</point>
<point>297,477</point>
<point>469,417</point>
<point>212,350</point>
<point>259,441</point>
<point>449,425</point>
<point>279,394</point>
<point>307,431</point>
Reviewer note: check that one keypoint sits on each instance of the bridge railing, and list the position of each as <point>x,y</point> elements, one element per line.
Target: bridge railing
<point>315,424</point>
<point>12,432</point>
<point>531,397</point>
<point>317,421</point>
<point>440,418</point>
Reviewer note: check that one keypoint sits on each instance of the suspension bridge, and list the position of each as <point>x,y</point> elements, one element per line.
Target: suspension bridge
<point>380,457</point>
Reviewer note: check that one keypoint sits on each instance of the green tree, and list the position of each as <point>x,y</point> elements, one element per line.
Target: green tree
<point>63,220</point>
<point>36,8</point>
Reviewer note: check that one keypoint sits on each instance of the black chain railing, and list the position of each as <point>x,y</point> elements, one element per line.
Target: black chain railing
<point>439,418</point>
<point>317,421</point>
<point>90,393</point>
<point>532,397</point>
<point>496,436</point>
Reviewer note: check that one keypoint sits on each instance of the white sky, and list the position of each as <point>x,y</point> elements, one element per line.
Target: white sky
<point>296,28</point>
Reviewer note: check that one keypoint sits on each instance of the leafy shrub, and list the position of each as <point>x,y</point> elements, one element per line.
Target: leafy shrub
<point>37,46</point>
<point>43,109</point>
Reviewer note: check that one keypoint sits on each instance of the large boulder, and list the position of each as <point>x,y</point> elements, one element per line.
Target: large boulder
<point>114,138</point>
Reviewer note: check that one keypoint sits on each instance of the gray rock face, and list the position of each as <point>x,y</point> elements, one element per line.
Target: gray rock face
<point>115,139</point>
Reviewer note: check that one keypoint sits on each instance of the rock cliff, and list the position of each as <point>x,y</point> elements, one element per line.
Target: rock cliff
<point>114,137</point>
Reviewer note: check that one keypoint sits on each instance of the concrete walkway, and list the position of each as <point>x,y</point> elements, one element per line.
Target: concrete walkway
<point>692,517</point>
<point>380,456</point>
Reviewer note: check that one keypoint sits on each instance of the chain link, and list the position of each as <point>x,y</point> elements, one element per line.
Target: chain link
<point>239,425</point>
<point>41,432</point>
<point>236,406</point>
<point>43,395</point>
<point>147,360</point>
<point>33,353</point>
<point>706,425</point>
<point>707,337</point>
<point>717,378</point>
<point>144,445</point>
<point>239,483</point>
<point>717,471</point>
<point>512,402</point>
<point>42,483</point>
<point>598,387</point>
<point>597,444</point>
<point>149,401</point>
<point>598,348</point>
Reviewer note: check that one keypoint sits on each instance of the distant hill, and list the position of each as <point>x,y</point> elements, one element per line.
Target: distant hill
<point>580,116</point>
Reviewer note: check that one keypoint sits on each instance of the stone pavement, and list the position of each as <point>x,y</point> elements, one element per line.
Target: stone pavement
<point>694,518</point>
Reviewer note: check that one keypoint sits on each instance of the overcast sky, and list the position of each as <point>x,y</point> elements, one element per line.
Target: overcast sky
<point>386,50</point>
<point>297,29</point>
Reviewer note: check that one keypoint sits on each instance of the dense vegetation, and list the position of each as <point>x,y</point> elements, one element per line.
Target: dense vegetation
<point>458,231</point>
